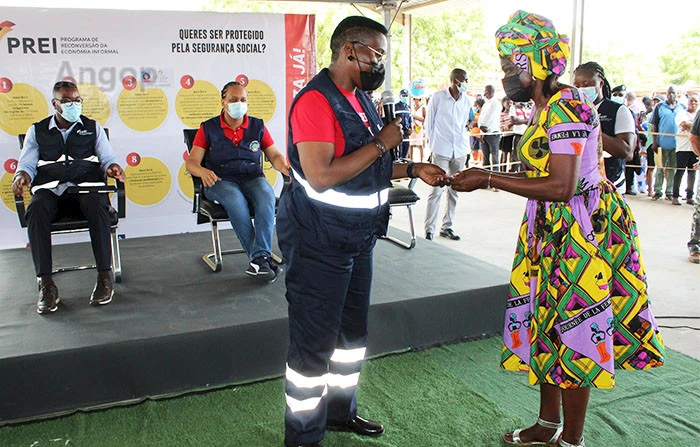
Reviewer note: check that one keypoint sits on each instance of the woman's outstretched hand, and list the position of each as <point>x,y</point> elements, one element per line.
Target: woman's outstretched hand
<point>470,179</point>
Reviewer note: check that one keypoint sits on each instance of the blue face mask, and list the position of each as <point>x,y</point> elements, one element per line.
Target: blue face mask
<point>463,87</point>
<point>590,92</point>
<point>618,99</point>
<point>71,113</point>
<point>404,100</point>
<point>237,110</point>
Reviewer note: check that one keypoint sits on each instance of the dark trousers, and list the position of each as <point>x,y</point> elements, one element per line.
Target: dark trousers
<point>403,147</point>
<point>629,179</point>
<point>684,160</point>
<point>328,288</point>
<point>489,146</point>
<point>46,206</point>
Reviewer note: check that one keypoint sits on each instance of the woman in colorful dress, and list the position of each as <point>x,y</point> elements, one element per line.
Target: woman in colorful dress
<point>578,285</point>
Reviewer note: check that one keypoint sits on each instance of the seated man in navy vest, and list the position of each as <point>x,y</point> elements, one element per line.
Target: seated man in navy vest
<point>63,150</point>
<point>232,174</point>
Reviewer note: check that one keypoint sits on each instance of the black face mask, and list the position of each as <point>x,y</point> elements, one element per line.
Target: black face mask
<point>371,80</point>
<point>515,91</point>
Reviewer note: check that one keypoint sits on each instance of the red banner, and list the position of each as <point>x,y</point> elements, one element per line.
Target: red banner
<point>300,35</point>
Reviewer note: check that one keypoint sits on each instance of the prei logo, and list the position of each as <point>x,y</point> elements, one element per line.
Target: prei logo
<point>27,45</point>
<point>5,27</point>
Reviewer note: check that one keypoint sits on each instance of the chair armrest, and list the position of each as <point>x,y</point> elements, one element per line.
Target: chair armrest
<point>198,190</point>
<point>118,188</point>
<point>21,212</point>
<point>121,199</point>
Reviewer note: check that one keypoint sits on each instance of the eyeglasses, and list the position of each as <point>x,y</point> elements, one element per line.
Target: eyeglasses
<point>69,102</point>
<point>378,53</point>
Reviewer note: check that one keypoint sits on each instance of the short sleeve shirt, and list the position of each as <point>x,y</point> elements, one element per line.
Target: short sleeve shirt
<point>235,135</point>
<point>567,125</point>
<point>313,119</point>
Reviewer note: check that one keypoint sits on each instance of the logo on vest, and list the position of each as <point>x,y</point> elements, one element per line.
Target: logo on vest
<point>255,146</point>
<point>83,132</point>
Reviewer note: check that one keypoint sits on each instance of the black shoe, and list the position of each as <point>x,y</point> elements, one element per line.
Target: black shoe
<point>259,266</point>
<point>294,444</point>
<point>357,425</point>
<point>630,193</point>
<point>428,236</point>
<point>275,270</point>
<point>656,196</point>
<point>48,296</point>
<point>104,289</point>
<point>449,234</point>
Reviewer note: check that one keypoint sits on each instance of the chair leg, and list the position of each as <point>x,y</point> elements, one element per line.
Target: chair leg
<point>116,257</point>
<point>213,260</point>
<point>399,242</point>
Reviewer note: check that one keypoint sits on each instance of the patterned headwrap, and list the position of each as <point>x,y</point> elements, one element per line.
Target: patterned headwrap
<point>531,43</point>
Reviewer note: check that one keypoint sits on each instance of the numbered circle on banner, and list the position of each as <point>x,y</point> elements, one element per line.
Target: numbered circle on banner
<point>198,103</point>
<point>129,82</point>
<point>148,180</point>
<point>5,85</point>
<point>95,103</point>
<point>187,81</point>
<point>20,107</point>
<point>242,79</point>
<point>142,109</point>
<point>262,101</point>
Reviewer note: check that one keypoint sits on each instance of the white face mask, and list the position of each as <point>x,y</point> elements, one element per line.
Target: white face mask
<point>590,92</point>
<point>237,110</point>
<point>463,87</point>
<point>618,99</point>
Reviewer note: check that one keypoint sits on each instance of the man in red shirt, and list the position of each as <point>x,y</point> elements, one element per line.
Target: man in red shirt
<point>229,145</point>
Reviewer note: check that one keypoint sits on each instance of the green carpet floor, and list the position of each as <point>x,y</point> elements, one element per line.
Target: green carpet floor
<point>449,396</point>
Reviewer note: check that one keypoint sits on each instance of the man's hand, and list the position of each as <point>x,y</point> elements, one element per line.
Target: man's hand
<point>431,174</point>
<point>116,171</point>
<point>392,134</point>
<point>470,179</point>
<point>209,177</point>
<point>20,182</point>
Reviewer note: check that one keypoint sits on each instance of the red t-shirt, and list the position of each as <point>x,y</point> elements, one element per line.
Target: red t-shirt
<point>313,119</point>
<point>235,135</point>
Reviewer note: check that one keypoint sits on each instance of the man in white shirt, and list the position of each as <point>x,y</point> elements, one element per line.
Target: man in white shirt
<point>685,157</point>
<point>489,124</point>
<point>449,113</point>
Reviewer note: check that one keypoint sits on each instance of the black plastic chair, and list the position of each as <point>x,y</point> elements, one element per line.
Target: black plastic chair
<point>400,195</point>
<point>209,211</point>
<point>76,222</point>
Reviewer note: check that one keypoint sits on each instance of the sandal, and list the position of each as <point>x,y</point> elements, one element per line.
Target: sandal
<point>558,426</point>
<point>563,443</point>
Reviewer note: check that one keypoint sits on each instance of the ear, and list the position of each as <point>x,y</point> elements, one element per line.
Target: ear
<point>349,50</point>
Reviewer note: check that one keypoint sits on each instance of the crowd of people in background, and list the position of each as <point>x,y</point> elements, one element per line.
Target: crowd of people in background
<point>656,160</point>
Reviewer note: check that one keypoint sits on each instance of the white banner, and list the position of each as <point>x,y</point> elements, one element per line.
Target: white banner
<point>146,76</point>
